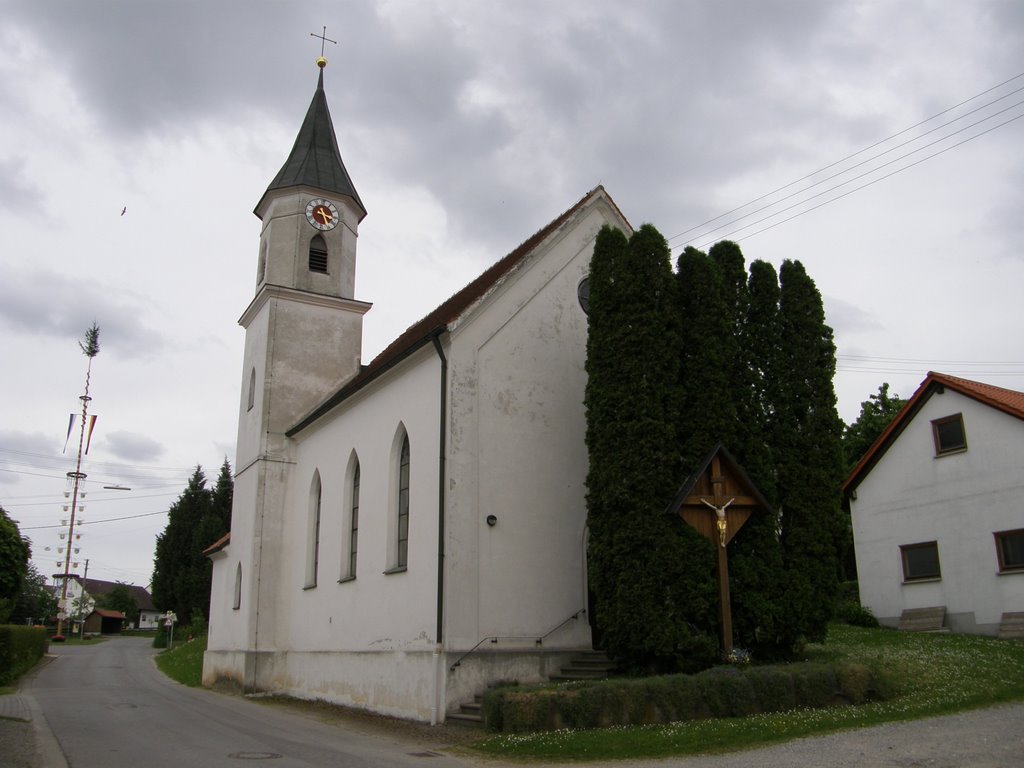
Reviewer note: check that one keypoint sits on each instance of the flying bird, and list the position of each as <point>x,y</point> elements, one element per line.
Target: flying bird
<point>123,210</point>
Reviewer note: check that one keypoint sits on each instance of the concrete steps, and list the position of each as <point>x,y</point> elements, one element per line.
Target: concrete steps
<point>923,619</point>
<point>1011,626</point>
<point>584,665</point>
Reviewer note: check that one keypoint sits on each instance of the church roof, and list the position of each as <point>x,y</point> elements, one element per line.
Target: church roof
<point>315,160</point>
<point>434,324</point>
<point>1006,400</point>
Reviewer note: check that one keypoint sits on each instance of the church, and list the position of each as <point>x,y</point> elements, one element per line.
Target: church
<point>408,530</point>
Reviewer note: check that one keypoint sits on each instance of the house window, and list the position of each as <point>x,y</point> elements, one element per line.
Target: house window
<point>313,542</point>
<point>949,434</point>
<point>252,389</point>
<point>402,558</point>
<point>1010,550</point>
<point>353,545</point>
<point>317,255</point>
<point>238,588</point>
<point>920,561</point>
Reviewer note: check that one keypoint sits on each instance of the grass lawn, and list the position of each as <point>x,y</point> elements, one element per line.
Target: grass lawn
<point>184,662</point>
<point>933,674</point>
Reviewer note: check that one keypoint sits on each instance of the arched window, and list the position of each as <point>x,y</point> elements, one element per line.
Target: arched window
<point>313,537</point>
<point>252,389</point>
<point>317,255</point>
<point>238,587</point>
<point>353,543</point>
<point>402,556</point>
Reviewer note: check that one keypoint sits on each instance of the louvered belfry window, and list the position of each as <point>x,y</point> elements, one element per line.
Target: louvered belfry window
<point>318,255</point>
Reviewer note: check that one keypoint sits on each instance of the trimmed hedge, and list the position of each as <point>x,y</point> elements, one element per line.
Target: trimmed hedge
<point>21,648</point>
<point>717,692</point>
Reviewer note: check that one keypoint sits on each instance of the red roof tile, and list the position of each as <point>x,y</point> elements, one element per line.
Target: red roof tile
<point>1006,400</point>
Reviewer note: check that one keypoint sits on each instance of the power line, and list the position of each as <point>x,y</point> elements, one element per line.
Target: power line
<point>94,522</point>
<point>847,170</point>
<point>850,192</point>
<point>855,154</point>
<point>859,176</point>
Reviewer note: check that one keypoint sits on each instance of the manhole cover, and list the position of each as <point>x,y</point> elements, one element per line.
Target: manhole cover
<point>254,756</point>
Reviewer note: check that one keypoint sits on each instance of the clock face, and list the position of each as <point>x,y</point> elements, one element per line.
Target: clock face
<point>322,214</point>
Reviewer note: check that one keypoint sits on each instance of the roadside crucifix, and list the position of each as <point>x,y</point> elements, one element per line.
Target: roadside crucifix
<point>717,500</point>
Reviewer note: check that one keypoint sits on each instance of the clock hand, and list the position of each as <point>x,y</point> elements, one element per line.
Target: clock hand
<point>325,215</point>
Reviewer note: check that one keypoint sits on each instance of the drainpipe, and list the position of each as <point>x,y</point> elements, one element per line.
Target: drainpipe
<point>442,448</point>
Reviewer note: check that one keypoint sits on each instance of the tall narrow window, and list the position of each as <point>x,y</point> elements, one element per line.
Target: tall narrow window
<point>402,558</point>
<point>317,255</point>
<point>252,389</point>
<point>238,588</point>
<point>353,545</point>
<point>313,541</point>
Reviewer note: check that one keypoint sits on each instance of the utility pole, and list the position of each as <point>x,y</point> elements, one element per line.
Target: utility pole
<point>81,602</point>
<point>90,348</point>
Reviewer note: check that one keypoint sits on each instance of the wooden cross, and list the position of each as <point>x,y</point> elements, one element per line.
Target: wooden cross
<point>324,39</point>
<point>723,488</point>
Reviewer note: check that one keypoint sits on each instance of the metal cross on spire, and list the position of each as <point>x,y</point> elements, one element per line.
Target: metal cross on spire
<point>324,39</point>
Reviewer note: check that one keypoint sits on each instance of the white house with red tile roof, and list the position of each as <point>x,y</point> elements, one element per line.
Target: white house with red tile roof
<point>407,531</point>
<point>937,504</point>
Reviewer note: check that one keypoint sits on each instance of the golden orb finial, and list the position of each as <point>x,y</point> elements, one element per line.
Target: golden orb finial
<point>321,62</point>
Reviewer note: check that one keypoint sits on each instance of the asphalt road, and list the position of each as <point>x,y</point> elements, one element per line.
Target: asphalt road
<point>107,706</point>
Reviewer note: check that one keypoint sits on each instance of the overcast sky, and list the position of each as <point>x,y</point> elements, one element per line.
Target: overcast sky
<point>467,125</point>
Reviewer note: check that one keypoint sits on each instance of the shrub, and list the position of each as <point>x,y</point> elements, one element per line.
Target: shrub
<point>21,648</point>
<point>853,613</point>
<point>717,692</point>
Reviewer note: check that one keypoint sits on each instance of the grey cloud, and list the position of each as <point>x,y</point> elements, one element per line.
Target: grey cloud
<point>129,446</point>
<point>17,193</point>
<point>845,317</point>
<point>54,305</point>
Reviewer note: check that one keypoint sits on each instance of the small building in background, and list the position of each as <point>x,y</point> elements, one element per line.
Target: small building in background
<point>937,505</point>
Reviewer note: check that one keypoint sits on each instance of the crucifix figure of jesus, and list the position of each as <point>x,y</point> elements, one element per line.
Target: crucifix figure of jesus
<point>720,521</point>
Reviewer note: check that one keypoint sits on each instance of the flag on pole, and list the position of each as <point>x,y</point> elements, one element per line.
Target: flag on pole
<point>92,426</point>
<point>71,424</point>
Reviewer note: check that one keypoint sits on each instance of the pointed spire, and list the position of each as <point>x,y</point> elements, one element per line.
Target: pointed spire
<point>315,160</point>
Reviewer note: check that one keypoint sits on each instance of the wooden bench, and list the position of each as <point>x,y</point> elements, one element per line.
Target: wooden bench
<point>923,619</point>
<point>1011,626</point>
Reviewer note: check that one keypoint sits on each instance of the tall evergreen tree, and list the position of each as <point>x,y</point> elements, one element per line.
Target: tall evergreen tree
<point>642,581</point>
<point>708,353</point>
<point>760,339</point>
<point>755,554</point>
<point>181,573</point>
<point>808,454</point>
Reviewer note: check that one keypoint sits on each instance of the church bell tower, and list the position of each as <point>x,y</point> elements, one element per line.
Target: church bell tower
<point>303,340</point>
<point>304,326</point>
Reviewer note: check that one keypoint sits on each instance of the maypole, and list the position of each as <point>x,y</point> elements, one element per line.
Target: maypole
<point>91,348</point>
